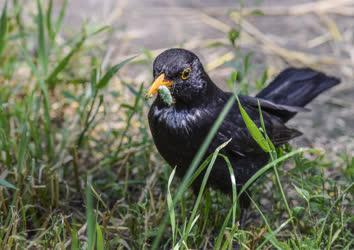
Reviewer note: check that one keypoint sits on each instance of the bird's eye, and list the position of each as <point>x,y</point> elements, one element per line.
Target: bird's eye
<point>185,73</point>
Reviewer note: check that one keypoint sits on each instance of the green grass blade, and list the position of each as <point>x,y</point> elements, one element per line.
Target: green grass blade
<point>64,62</point>
<point>90,219</point>
<point>253,129</point>
<point>189,229</point>
<point>30,62</point>
<point>98,31</point>
<point>234,188</point>
<point>74,240</point>
<point>324,223</point>
<point>202,187</point>
<point>199,170</point>
<point>5,143</point>
<point>269,142</point>
<point>7,184</point>
<point>232,210</point>
<point>22,148</point>
<point>273,234</point>
<point>3,28</point>
<point>42,47</point>
<point>49,14</point>
<point>273,156</point>
<point>46,102</point>
<point>111,72</point>
<point>171,208</point>
<point>59,21</point>
<point>76,48</point>
<point>220,237</point>
<point>100,240</point>
<point>270,165</point>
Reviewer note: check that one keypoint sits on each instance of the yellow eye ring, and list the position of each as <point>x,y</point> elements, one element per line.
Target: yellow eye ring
<point>185,73</point>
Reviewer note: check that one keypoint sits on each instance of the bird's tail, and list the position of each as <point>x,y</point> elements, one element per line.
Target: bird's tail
<point>296,87</point>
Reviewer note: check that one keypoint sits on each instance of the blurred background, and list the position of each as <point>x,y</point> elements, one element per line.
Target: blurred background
<point>278,34</point>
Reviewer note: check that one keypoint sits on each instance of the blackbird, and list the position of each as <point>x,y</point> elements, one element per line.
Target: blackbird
<point>179,129</point>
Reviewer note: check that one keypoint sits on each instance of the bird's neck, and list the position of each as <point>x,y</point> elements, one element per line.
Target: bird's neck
<point>212,93</point>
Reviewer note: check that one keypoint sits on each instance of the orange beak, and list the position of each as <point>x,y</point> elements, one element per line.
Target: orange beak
<point>159,81</point>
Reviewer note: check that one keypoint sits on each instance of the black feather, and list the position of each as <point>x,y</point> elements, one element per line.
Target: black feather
<point>296,87</point>
<point>180,129</point>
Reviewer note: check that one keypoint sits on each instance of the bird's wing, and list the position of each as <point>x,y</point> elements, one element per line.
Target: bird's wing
<point>242,142</point>
<point>266,104</point>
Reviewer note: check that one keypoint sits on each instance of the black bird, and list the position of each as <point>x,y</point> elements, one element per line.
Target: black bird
<point>179,129</point>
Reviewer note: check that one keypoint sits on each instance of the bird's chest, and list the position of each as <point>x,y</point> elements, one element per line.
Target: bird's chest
<point>178,134</point>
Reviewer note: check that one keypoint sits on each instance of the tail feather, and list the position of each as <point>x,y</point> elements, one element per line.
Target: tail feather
<point>297,87</point>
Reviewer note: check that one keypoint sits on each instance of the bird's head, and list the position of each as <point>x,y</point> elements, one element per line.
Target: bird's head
<point>182,72</point>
